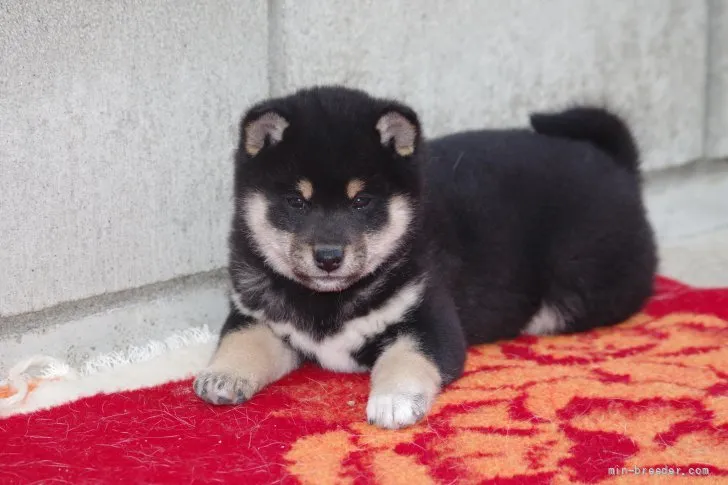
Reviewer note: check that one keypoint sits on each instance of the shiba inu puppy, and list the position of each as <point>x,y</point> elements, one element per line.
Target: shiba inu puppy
<point>360,246</point>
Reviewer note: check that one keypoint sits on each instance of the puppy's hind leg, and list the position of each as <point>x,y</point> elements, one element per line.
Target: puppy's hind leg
<point>249,356</point>
<point>581,301</point>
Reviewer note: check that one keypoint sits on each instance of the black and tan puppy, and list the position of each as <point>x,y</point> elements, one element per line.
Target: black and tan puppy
<point>359,246</point>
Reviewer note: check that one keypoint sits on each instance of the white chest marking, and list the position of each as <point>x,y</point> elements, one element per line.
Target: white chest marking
<point>335,351</point>
<point>244,310</point>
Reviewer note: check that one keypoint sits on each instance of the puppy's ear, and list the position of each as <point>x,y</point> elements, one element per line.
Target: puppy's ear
<point>399,130</point>
<point>261,130</point>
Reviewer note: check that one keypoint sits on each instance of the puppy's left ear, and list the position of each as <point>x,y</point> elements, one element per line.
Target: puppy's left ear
<point>400,129</point>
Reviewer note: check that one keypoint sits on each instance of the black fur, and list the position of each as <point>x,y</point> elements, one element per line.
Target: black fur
<point>505,221</point>
<point>594,125</point>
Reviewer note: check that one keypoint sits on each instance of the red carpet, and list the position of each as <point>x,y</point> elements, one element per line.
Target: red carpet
<point>650,393</point>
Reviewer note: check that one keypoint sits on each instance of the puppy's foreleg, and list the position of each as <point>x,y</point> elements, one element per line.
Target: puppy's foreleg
<point>248,358</point>
<point>404,384</point>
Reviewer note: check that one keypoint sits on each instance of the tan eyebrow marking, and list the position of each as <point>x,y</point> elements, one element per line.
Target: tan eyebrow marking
<point>306,188</point>
<point>354,187</point>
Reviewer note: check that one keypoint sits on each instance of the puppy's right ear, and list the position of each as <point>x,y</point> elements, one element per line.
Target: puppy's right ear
<point>261,130</point>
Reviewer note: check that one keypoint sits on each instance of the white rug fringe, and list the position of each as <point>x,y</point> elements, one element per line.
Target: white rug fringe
<point>148,351</point>
<point>36,367</point>
<point>176,357</point>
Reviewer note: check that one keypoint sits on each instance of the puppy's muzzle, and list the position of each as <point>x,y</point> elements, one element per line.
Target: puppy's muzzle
<point>328,257</point>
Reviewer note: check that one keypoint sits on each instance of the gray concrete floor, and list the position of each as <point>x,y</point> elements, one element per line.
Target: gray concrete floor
<point>688,208</point>
<point>700,260</point>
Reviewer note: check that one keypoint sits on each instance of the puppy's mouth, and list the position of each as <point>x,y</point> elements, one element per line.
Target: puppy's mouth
<point>326,284</point>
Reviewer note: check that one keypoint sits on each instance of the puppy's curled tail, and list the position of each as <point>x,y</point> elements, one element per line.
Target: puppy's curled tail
<point>602,128</point>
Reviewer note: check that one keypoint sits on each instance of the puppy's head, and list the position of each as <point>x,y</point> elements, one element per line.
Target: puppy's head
<point>327,184</point>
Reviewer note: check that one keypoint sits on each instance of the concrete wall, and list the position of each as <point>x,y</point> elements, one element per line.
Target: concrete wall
<point>118,119</point>
<point>717,85</point>
<point>471,63</point>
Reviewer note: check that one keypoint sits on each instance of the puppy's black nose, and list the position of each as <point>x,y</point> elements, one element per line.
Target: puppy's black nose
<point>328,258</point>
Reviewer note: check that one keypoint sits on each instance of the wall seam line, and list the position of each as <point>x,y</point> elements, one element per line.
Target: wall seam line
<point>707,85</point>
<point>275,48</point>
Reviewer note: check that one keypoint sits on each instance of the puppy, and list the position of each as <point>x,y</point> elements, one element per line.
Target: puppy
<point>361,247</point>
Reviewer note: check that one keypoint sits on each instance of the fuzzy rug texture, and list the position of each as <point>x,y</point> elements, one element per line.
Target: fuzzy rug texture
<point>601,407</point>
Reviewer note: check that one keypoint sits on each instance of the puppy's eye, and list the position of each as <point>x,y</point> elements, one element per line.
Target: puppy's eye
<point>361,201</point>
<point>296,202</point>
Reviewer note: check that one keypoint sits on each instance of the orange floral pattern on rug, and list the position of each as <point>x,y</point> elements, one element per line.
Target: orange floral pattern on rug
<point>650,393</point>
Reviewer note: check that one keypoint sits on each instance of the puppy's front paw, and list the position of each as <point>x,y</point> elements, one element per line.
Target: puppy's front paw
<point>396,410</point>
<point>404,385</point>
<point>223,388</point>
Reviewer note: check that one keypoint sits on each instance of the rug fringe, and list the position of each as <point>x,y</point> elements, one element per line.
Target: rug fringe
<point>26,375</point>
<point>148,351</point>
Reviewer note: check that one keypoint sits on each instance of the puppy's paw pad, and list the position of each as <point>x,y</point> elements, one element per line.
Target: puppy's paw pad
<point>222,388</point>
<point>394,411</point>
